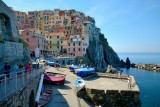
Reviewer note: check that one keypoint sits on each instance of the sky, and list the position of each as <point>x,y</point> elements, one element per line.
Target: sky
<point>128,25</point>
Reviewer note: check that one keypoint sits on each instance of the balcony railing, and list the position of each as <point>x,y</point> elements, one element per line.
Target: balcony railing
<point>16,81</point>
<point>64,38</point>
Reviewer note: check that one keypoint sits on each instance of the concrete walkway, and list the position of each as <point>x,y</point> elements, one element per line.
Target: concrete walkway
<point>64,96</point>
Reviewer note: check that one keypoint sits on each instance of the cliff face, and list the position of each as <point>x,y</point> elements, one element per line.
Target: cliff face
<point>100,54</point>
<point>11,49</point>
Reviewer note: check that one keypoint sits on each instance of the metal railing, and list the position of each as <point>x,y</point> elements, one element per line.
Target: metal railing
<point>16,81</point>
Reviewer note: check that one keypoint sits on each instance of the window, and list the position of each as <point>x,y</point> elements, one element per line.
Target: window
<point>50,46</point>
<point>73,44</point>
<point>57,37</point>
<point>79,49</point>
<point>50,37</point>
<point>82,38</point>
<point>27,39</point>
<point>68,49</point>
<point>50,42</point>
<point>57,47</point>
<point>74,49</point>
<point>61,42</point>
<point>83,49</point>
<point>68,44</point>
<point>79,44</point>
<point>27,33</point>
<point>57,42</point>
<point>85,24</point>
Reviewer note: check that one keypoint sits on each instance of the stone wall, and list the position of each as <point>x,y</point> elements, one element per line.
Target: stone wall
<point>7,11</point>
<point>114,98</point>
<point>11,51</point>
<point>24,97</point>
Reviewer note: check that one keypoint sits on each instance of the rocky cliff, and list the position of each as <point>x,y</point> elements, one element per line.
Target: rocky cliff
<point>11,48</point>
<point>100,54</point>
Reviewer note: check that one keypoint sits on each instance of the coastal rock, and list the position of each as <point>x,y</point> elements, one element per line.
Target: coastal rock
<point>10,48</point>
<point>100,54</point>
<point>152,67</point>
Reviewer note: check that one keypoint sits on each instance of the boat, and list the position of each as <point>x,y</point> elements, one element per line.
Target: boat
<point>45,97</point>
<point>79,84</point>
<point>83,72</point>
<point>50,63</point>
<point>55,74</point>
<point>54,78</point>
<point>74,67</point>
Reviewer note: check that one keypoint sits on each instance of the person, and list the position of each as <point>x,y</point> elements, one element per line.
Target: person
<point>21,67</point>
<point>37,63</point>
<point>28,68</point>
<point>58,66</point>
<point>7,69</point>
<point>119,74</point>
<point>129,82</point>
<point>108,69</point>
<point>16,68</point>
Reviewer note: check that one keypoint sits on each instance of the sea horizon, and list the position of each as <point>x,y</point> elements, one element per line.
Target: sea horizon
<point>141,58</point>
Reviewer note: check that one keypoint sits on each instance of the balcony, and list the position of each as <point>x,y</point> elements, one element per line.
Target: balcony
<point>64,38</point>
<point>54,44</point>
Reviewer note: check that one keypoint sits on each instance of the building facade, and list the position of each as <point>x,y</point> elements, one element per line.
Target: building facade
<point>65,31</point>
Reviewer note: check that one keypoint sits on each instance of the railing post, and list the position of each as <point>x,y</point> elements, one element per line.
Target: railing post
<point>23,78</point>
<point>5,85</point>
<point>16,81</point>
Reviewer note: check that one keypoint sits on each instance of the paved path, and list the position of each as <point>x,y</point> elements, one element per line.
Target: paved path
<point>109,84</point>
<point>64,96</point>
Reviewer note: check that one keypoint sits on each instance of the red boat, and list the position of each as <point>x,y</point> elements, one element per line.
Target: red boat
<point>45,97</point>
<point>54,78</point>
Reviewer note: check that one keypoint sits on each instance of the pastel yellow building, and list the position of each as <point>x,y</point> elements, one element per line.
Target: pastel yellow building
<point>57,42</point>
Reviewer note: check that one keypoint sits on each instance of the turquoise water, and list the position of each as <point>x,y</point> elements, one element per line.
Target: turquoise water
<point>148,81</point>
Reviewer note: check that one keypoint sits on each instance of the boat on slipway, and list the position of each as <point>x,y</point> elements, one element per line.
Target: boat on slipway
<point>79,84</point>
<point>45,97</point>
<point>54,78</point>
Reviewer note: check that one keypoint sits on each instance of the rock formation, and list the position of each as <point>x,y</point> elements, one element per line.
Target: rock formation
<point>10,48</point>
<point>8,23</point>
<point>100,54</point>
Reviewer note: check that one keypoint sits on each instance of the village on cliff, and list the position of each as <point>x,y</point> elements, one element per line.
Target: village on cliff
<point>63,47</point>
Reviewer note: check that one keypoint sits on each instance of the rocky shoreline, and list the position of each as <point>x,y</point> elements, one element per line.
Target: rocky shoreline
<point>152,67</point>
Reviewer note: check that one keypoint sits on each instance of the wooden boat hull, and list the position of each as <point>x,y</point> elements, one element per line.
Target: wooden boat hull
<point>54,78</point>
<point>45,97</point>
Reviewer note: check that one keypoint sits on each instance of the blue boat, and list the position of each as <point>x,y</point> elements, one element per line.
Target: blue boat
<point>73,67</point>
<point>50,63</point>
<point>83,72</point>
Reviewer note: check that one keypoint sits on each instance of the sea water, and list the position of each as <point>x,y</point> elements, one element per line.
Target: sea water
<point>143,58</point>
<point>148,81</point>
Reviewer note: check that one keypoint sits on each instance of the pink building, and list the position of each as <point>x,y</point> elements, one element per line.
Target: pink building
<point>33,38</point>
<point>77,45</point>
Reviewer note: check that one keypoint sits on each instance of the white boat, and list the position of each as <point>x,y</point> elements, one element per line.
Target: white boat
<point>79,84</point>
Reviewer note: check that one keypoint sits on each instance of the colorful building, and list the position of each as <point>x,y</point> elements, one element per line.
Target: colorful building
<point>34,39</point>
<point>64,31</point>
